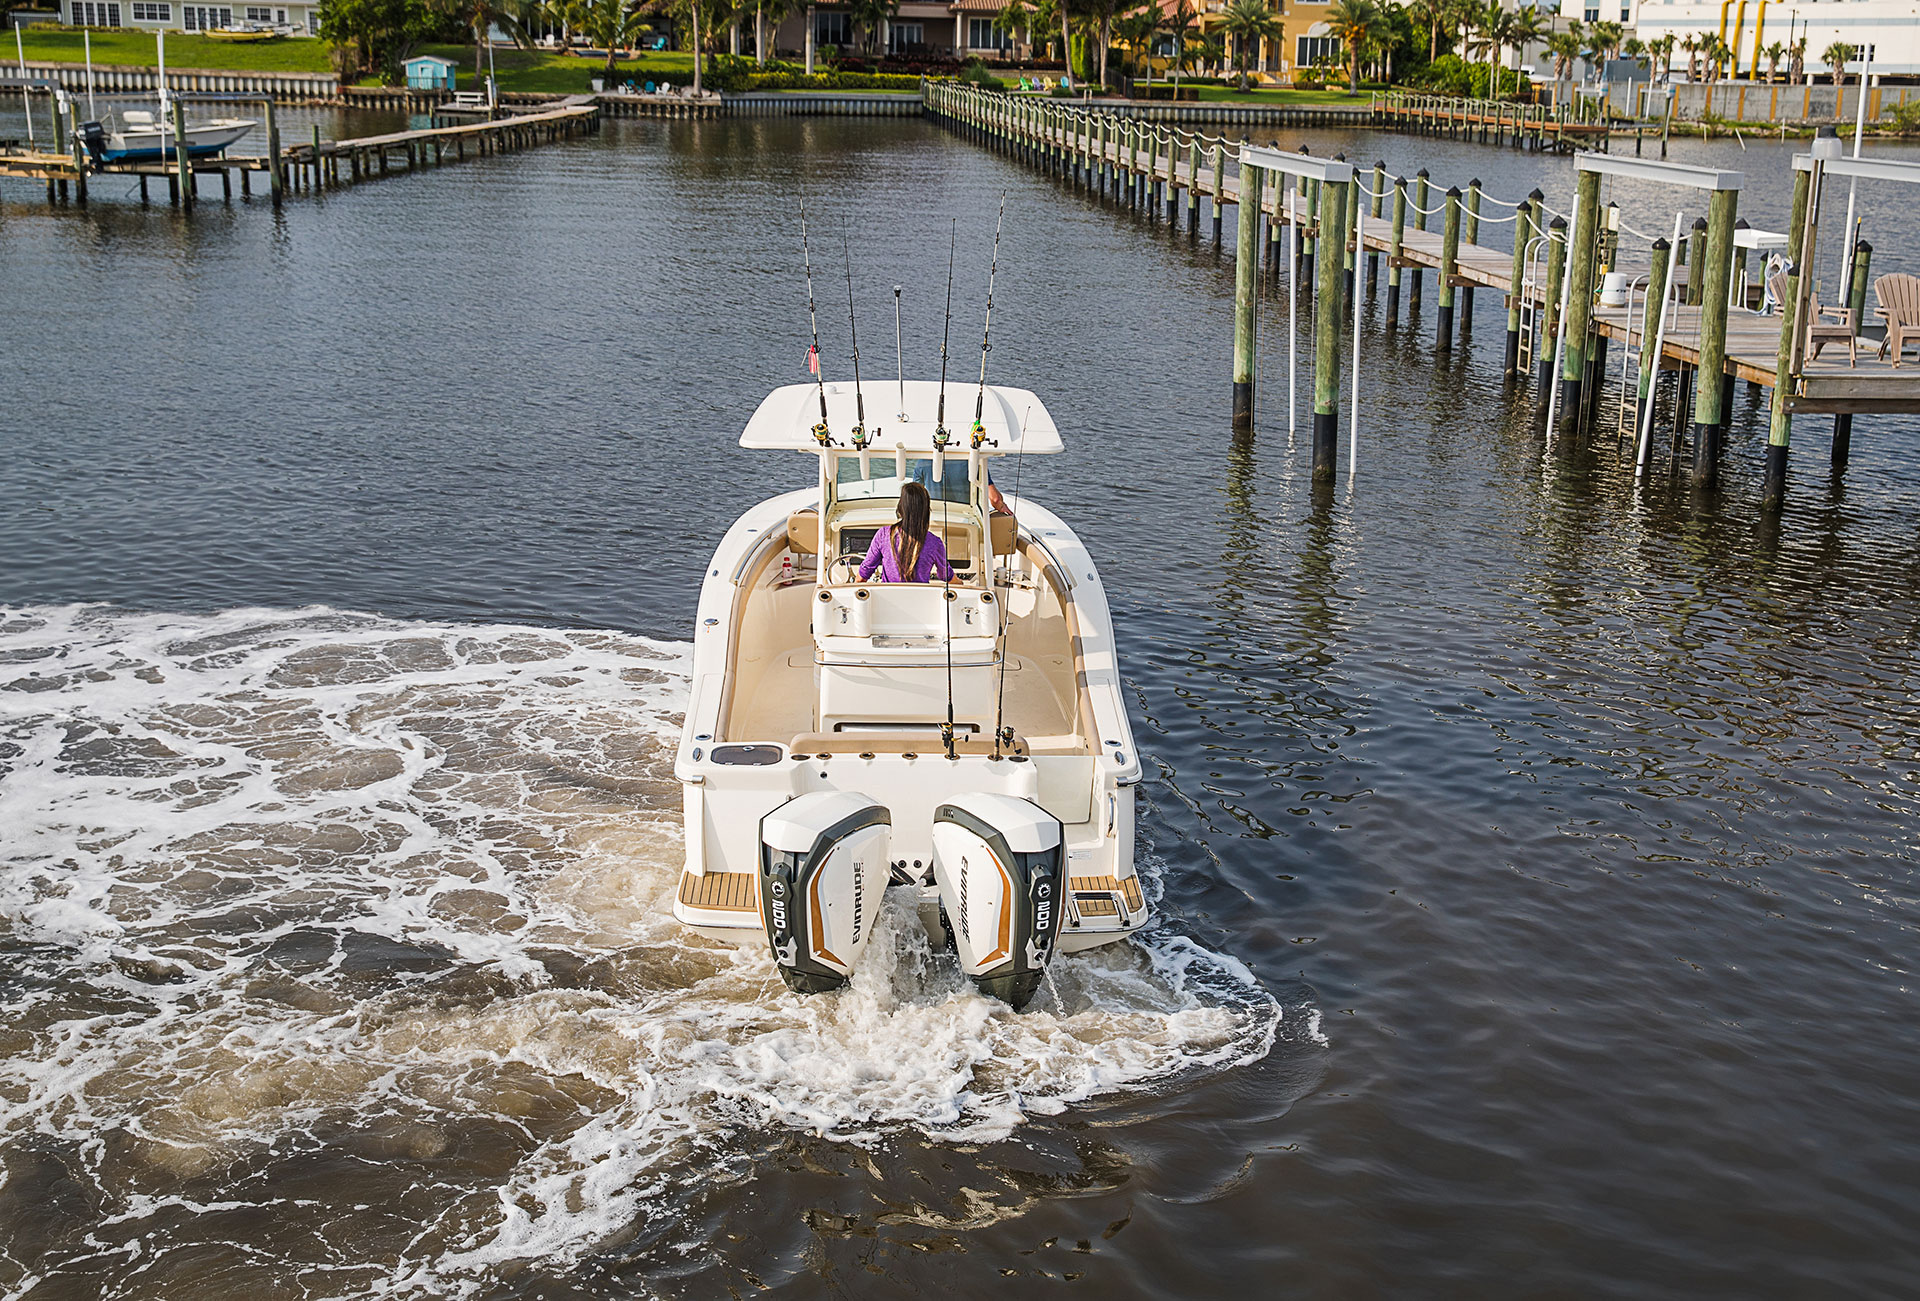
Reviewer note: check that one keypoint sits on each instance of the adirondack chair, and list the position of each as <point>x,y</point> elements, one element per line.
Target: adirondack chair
<point>1825,325</point>
<point>1899,299</point>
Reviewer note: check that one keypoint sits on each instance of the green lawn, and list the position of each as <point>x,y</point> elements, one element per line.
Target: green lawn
<point>518,70</point>
<point>1228,95</point>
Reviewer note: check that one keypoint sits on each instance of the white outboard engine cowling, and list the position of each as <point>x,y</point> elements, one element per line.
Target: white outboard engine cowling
<point>1000,863</point>
<point>823,875</point>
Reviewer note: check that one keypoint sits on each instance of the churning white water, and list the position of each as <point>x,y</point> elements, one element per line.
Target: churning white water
<point>283,883</point>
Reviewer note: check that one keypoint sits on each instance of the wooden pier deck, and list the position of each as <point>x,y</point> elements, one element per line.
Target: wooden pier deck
<point>317,164</point>
<point>1153,168</point>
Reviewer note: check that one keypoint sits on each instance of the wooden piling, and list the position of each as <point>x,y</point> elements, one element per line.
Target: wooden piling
<point>276,175</point>
<point>1696,260</point>
<point>1773,482</point>
<point>1709,415</point>
<point>1658,279</point>
<point>1549,314</point>
<point>1449,262</point>
<point>1471,233</point>
<point>1379,197</point>
<point>1396,247</point>
<point>1247,256</point>
<point>1326,343</point>
<point>1420,192</point>
<point>1525,228</point>
<point>1582,252</point>
<point>181,159</point>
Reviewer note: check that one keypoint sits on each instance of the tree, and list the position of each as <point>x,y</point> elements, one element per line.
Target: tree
<point>1797,69</point>
<point>1180,25</point>
<point>1774,53</point>
<point>1248,22</point>
<point>477,16</point>
<point>374,35</point>
<point>1692,47</point>
<point>612,25</point>
<point>1836,57</point>
<point>1357,25</point>
<point>1015,16</point>
<point>1137,31</point>
<point>1429,14</point>
<point>1565,48</point>
<point>869,16</point>
<point>1662,52</point>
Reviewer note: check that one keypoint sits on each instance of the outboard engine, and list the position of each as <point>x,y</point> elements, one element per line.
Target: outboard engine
<point>1000,863</point>
<point>94,137</point>
<point>823,874</point>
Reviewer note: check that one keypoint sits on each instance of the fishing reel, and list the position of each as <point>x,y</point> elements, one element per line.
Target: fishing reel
<point>980,436</point>
<point>859,436</point>
<point>946,739</point>
<point>942,436</point>
<point>822,435</point>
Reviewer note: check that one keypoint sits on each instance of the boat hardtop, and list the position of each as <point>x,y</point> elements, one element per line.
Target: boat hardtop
<point>965,737</point>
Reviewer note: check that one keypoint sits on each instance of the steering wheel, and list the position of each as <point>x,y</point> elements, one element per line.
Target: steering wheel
<point>843,569</point>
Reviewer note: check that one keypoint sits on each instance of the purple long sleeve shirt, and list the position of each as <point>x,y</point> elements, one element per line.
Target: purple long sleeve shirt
<point>880,556</point>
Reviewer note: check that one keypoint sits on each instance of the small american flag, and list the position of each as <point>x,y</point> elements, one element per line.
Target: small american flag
<point>813,361</point>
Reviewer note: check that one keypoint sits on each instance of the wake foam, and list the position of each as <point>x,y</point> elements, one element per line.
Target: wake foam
<point>315,880</point>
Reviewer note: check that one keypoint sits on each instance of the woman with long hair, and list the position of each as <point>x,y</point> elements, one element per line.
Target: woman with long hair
<point>907,551</point>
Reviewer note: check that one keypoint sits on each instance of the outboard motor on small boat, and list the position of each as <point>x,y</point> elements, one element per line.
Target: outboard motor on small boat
<point>823,874</point>
<point>1000,863</point>
<point>94,137</point>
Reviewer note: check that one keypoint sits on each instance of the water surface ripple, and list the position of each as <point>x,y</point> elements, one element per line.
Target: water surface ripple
<point>1535,852</point>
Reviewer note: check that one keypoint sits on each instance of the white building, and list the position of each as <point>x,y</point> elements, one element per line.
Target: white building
<point>150,15</point>
<point>1891,28</point>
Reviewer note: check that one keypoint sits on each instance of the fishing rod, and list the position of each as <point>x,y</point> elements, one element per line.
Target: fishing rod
<point>1003,734</point>
<point>821,435</point>
<point>859,432</point>
<point>986,335</point>
<point>899,357</point>
<point>940,434</point>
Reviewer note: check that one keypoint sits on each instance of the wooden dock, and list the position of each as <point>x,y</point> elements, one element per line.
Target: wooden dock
<point>1416,227</point>
<point>312,165</point>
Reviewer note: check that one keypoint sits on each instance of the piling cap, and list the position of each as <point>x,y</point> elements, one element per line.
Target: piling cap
<point>1453,191</point>
<point>1421,172</point>
<point>1474,184</point>
<point>1305,150</point>
<point>1661,246</point>
<point>1558,223</point>
<point>1862,247</point>
<point>1379,164</point>
<point>1741,224</point>
<point>1536,196</point>
<point>1699,223</point>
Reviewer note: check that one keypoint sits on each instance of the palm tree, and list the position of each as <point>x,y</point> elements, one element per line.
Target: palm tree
<point>1662,50</point>
<point>1797,66</point>
<point>1357,24</point>
<point>1180,26</point>
<point>1774,53</point>
<point>611,25</point>
<point>1836,57</point>
<point>478,15</point>
<point>1248,22</point>
<point>1429,13</point>
<point>1692,46</point>
<point>1565,48</point>
<point>1136,31</point>
<point>1014,16</point>
<point>869,16</point>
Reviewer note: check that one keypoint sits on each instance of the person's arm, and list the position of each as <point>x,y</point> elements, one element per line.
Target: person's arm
<point>872,562</point>
<point>937,552</point>
<point>996,501</point>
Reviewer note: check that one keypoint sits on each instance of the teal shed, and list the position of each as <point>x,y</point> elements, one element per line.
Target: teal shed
<point>428,72</point>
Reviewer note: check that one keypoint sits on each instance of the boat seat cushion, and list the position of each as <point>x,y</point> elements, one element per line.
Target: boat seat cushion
<point>803,532</point>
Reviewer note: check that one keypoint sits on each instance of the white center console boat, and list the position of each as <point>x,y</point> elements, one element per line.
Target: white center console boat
<point>967,739</point>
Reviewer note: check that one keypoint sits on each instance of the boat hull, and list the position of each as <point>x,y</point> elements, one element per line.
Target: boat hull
<point>152,145</point>
<point>732,780</point>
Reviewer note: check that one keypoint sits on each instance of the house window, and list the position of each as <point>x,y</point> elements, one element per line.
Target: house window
<point>151,13</point>
<point>259,15</point>
<point>203,18</point>
<point>985,34</point>
<point>832,27</point>
<point>313,22</point>
<point>1626,13</point>
<point>1593,13</point>
<point>904,36</point>
<point>87,13</point>
<point>1309,50</point>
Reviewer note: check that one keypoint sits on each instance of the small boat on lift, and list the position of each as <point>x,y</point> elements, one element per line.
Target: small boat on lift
<point>242,33</point>
<point>966,740</point>
<point>141,135</point>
